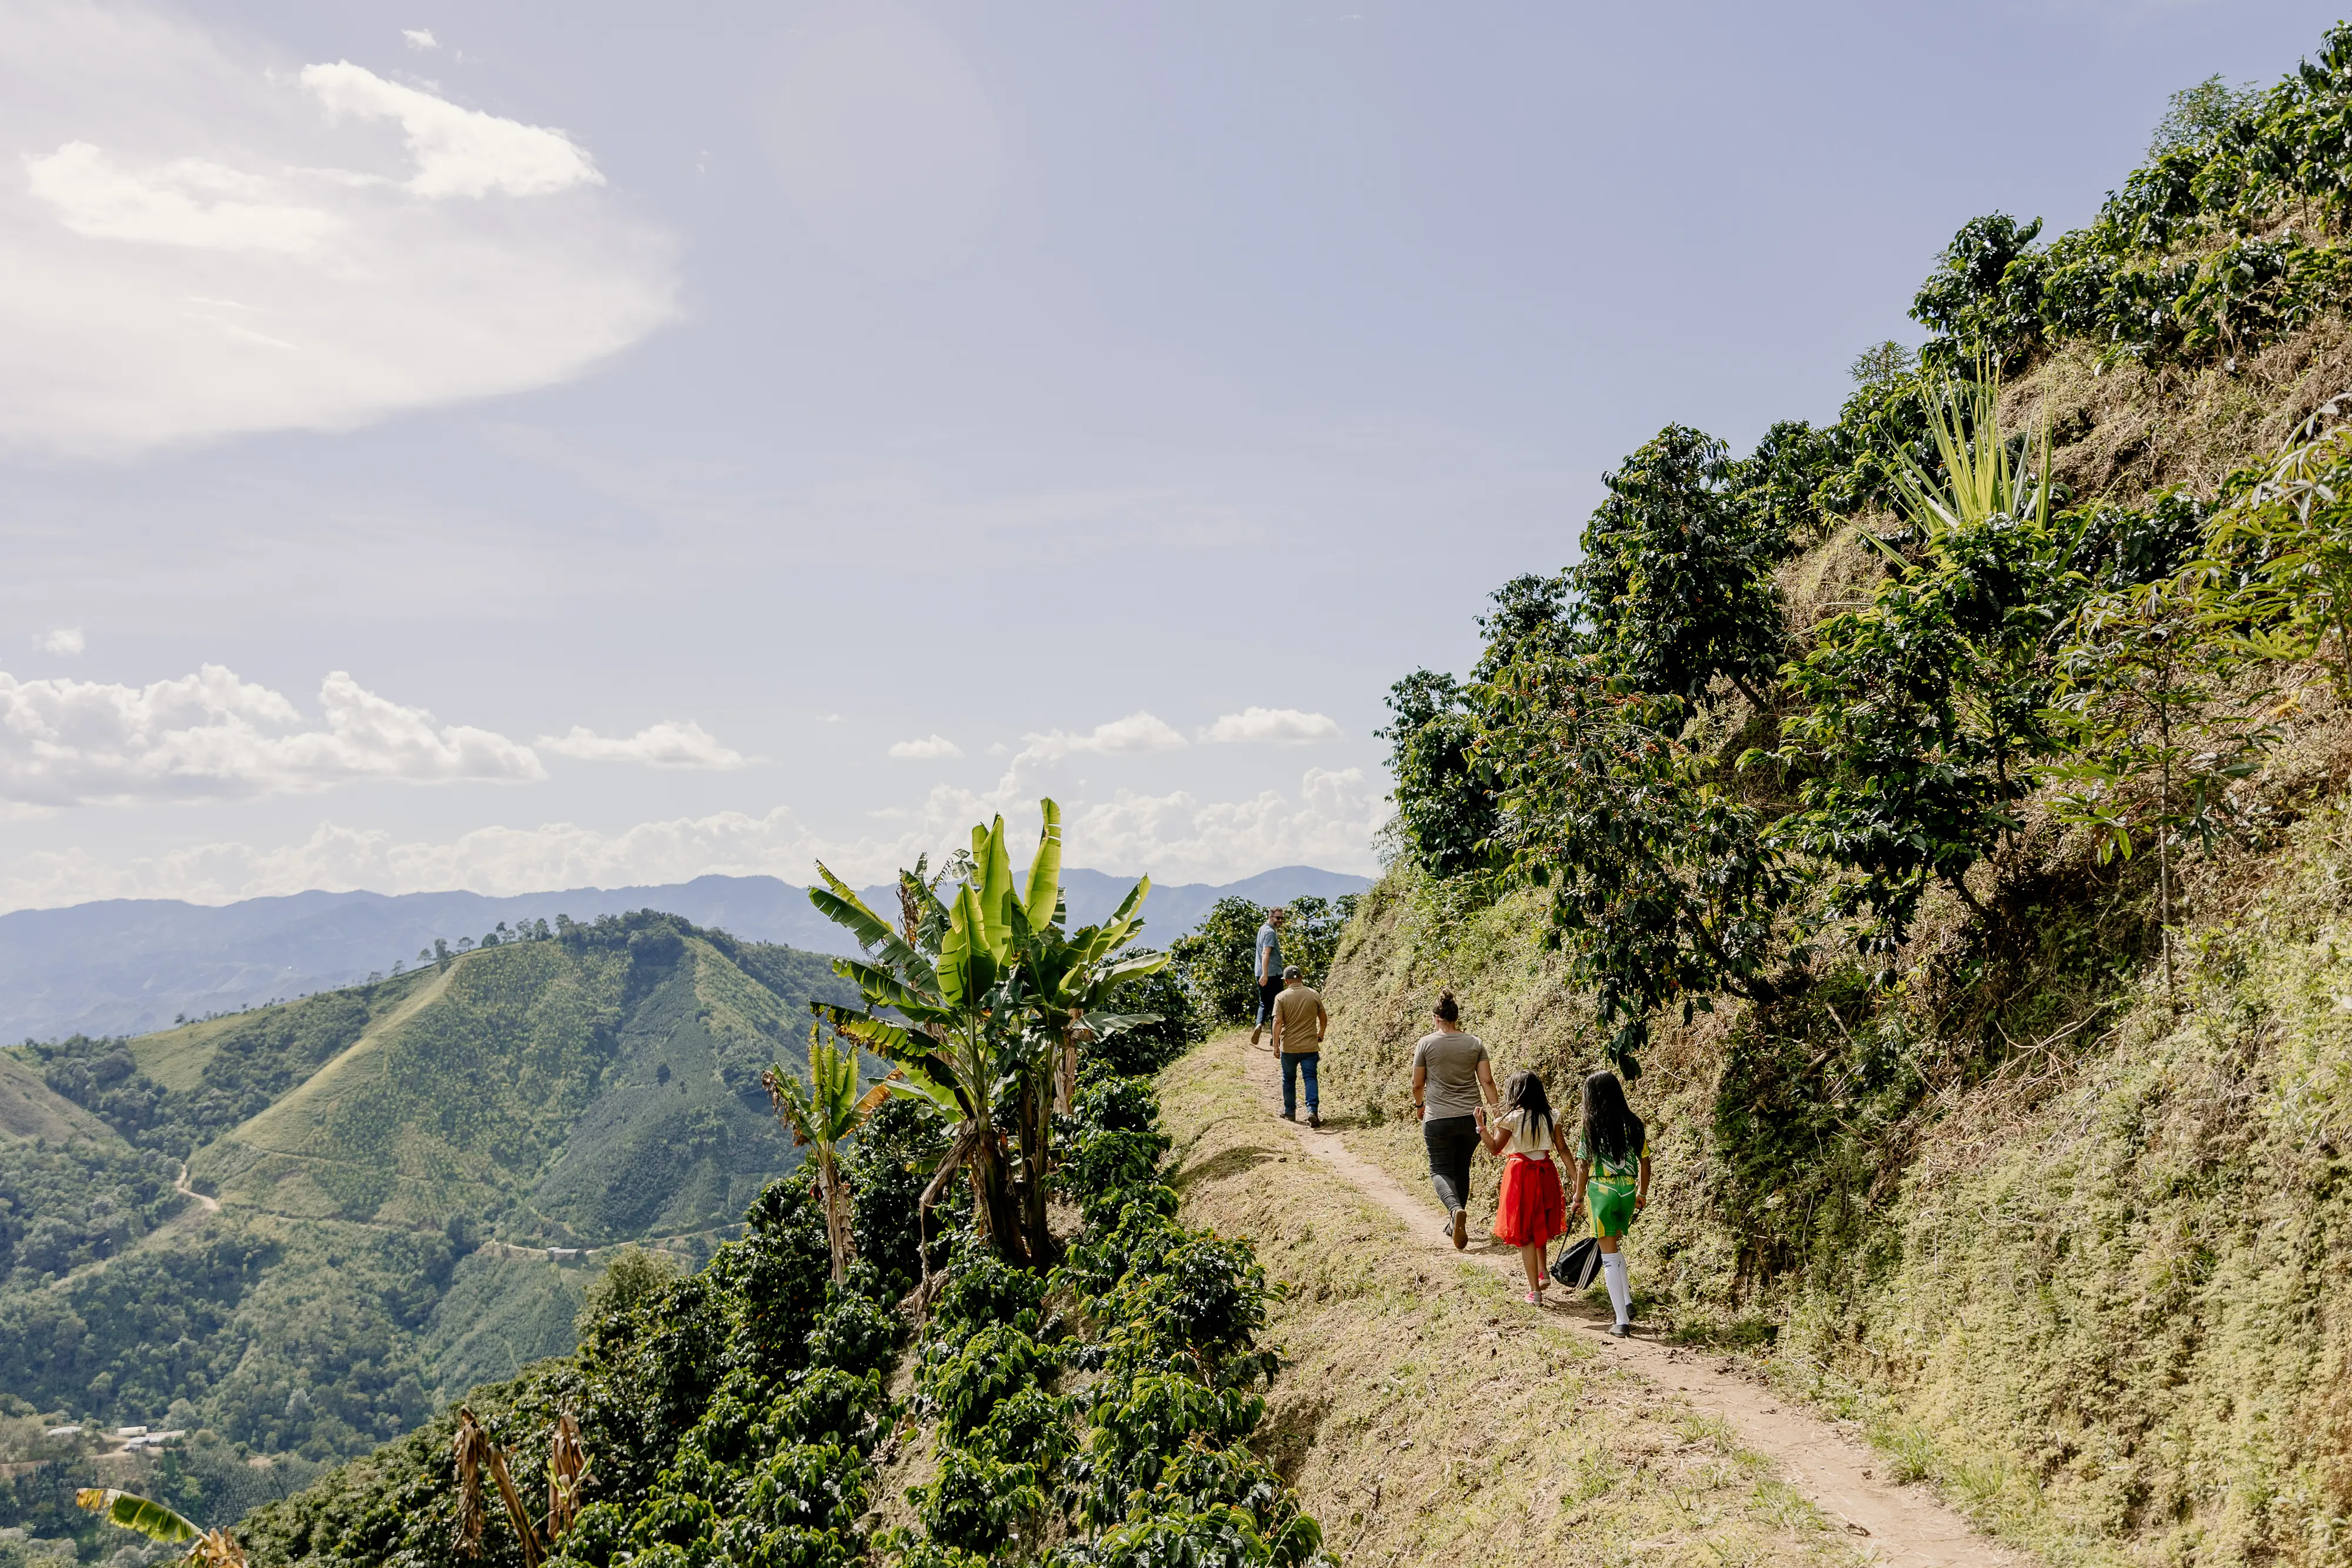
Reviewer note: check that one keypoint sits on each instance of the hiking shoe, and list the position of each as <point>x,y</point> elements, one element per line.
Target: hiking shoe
<point>1461,1228</point>
<point>1288,1117</point>
<point>1313,1120</point>
<point>1620,1330</point>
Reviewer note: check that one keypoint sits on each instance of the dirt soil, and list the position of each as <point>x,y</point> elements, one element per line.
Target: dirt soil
<point>1428,1414</point>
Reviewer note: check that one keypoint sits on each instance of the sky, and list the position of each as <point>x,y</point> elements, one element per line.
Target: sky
<point>516,447</point>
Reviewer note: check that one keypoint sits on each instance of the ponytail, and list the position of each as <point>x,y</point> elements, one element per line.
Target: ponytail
<point>1447,1008</point>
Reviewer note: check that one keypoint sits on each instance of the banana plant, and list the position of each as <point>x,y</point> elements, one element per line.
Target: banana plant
<point>979,1001</point>
<point>474,1453</point>
<point>820,1117</point>
<point>209,1548</point>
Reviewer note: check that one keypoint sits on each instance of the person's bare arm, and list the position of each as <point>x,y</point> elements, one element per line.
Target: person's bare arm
<point>1486,1082</point>
<point>1277,1028</point>
<point>1642,1189</point>
<point>1496,1137</point>
<point>1420,1084</point>
<point>1576,1201</point>
<point>1322,1021</point>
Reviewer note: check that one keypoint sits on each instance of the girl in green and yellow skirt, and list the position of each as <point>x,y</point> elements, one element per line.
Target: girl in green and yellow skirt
<point>1612,1177</point>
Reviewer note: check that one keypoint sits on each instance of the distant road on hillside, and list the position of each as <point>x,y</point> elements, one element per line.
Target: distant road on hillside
<point>128,966</point>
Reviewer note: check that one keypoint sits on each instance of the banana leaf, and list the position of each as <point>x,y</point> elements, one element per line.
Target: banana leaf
<point>995,867</point>
<point>1043,904</point>
<point>839,903</point>
<point>132,1511</point>
<point>967,969</point>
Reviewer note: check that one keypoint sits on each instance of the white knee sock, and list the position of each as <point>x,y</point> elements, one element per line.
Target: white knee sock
<point>1620,1289</point>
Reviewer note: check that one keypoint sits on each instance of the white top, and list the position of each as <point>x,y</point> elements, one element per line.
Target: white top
<point>1541,1144</point>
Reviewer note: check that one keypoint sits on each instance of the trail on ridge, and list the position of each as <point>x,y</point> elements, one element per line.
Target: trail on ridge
<point>1894,1523</point>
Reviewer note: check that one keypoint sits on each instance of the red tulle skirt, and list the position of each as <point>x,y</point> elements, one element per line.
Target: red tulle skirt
<point>1531,1211</point>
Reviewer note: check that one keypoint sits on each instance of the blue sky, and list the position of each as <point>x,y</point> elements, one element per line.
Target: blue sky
<point>510,446</point>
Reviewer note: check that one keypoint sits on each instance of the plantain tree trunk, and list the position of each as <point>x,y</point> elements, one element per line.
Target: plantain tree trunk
<point>1036,1235</point>
<point>994,1203</point>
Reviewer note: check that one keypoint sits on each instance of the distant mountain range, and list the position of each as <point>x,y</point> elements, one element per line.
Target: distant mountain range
<point>124,966</point>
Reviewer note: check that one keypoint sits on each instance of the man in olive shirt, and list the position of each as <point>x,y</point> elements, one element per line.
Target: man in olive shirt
<point>1299,1022</point>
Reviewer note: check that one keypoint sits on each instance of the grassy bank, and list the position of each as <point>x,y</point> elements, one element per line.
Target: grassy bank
<point>1425,1416</point>
<point>2091,1280</point>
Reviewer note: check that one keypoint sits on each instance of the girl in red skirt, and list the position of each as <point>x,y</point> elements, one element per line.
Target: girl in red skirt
<point>1531,1214</point>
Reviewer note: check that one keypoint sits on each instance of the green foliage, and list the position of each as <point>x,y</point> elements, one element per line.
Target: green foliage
<point>980,1005</point>
<point>1217,965</point>
<point>1446,811</point>
<point>1164,1318</point>
<point>1663,887</point>
<point>2197,118</point>
<point>1143,1048</point>
<point>2281,550</point>
<point>887,1168</point>
<point>1675,580</point>
<point>1883,362</point>
<point>2225,239</point>
<point>62,1207</point>
<point>1217,962</point>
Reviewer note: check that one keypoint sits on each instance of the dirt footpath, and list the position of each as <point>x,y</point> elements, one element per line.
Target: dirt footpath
<point>1843,1479</point>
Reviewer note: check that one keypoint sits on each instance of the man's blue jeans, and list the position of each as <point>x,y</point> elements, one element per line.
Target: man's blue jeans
<point>1295,1063</point>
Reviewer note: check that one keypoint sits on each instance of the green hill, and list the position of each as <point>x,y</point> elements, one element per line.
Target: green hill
<point>1969,891</point>
<point>596,1086</point>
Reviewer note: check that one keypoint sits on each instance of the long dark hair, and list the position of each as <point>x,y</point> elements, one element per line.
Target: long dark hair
<point>1611,1130</point>
<point>1525,1092</point>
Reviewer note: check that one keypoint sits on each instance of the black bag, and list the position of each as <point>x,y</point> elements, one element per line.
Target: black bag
<point>1578,1265</point>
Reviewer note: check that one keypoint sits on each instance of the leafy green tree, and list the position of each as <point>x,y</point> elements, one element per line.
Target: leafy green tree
<point>1983,301</point>
<point>1923,713</point>
<point>821,1115</point>
<point>1217,962</point>
<point>2279,556</point>
<point>1310,936</point>
<point>1677,577</point>
<point>2141,693</point>
<point>1445,809</point>
<point>993,998</point>
<point>2196,117</point>
<point>1777,487</point>
<point>1665,888</point>
<point>1882,362</point>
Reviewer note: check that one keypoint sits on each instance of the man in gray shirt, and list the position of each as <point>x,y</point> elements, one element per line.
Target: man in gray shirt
<point>1451,1077</point>
<point>1269,968</point>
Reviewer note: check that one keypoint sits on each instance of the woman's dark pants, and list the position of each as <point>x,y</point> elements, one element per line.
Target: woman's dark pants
<point>1450,1139</point>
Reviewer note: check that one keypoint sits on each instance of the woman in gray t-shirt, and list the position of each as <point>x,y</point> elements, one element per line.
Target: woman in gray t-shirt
<point>1451,1077</point>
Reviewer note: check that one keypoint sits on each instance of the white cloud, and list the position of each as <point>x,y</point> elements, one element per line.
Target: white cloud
<point>420,37</point>
<point>213,239</point>
<point>458,152</point>
<point>1275,725</point>
<point>669,744</point>
<point>64,640</point>
<point>214,736</point>
<point>1178,838</point>
<point>1138,734</point>
<point>1175,838</point>
<point>931,748</point>
<point>187,201</point>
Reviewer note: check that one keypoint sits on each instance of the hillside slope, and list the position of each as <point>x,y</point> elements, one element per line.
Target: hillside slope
<point>1960,862</point>
<point>588,1089</point>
